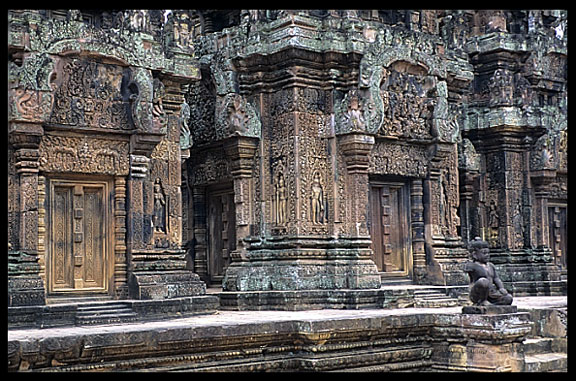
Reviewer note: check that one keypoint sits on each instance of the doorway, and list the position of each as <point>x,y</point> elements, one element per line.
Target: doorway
<point>221,224</point>
<point>80,227</point>
<point>558,224</point>
<point>390,228</point>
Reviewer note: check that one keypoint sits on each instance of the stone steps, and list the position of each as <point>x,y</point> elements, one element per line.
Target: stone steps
<point>546,362</point>
<point>432,298</point>
<point>545,354</point>
<point>105,313</point>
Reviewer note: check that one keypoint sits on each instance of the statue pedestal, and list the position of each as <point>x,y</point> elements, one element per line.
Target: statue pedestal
<point>489,310</point>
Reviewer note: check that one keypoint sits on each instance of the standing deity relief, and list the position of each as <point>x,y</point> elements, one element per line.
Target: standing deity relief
<point>280,200</point>
<point>159,217</point>
<point>317,203</point>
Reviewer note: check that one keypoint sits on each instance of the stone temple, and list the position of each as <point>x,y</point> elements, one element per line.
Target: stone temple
<point>167,163</point>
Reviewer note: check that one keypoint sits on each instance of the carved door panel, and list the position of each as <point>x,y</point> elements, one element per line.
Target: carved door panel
<point>221,233</point>
<point>389,228</point>
<point>558,220</point>
<point>78,230</point>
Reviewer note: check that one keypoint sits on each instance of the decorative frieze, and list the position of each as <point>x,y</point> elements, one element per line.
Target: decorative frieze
<point>84,155</point>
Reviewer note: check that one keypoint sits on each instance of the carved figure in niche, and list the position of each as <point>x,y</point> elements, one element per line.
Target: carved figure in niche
<point>353,117</point>
<point>159,217</point>
<point>236,115</point>
<point>493,222</point>
<point>317,199</point>
<point>139,20</point>
<point>157,106</point>
<point>444,204</point>
<point>501,88</point>
<point>486,288</point>
<point>280,203</point>
<point>183,31</point>
<point>185,138</point>
<point>540,157</point>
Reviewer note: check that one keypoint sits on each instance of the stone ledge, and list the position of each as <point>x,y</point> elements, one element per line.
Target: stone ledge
<point>329,340</point>
<point>489,310</point>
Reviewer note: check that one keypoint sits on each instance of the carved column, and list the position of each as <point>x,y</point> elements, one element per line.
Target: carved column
<point>25,285</point>
<point>120,264</point>
<point>515,209</point>
<point>240,151</point>
<point>541,181</point>
<point>301,252</point>
<point>356,149</point>
<point>417,219</point>
<point>441,198</point>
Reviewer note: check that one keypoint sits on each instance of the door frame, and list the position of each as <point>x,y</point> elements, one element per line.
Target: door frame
<point>213,191</point>
<point>406,207</point>
<point>562,260</point>
<point>108,220</point>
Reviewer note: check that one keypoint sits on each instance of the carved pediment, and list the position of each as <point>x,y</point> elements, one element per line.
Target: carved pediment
<point>89,94</point>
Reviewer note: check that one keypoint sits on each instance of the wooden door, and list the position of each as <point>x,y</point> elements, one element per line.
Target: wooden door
<point>221,232</point>
<point>78,237</point>
<point>558,224</point>
<point>389,228</point>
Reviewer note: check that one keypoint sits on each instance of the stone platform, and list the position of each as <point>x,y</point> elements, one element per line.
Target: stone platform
<point>413,339</point>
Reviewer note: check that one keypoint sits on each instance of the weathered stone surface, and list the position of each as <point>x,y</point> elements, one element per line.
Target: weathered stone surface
<point>489,310</point>
<point>283,151</point>
<point>331,340</point>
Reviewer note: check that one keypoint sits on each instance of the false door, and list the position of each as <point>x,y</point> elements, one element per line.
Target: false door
<point>558,220</point>
<point>79,232</point>
<point>389,228</point>
<point>221,232</point>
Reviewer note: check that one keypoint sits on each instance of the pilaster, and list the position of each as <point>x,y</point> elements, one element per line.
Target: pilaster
<point>25,285</point>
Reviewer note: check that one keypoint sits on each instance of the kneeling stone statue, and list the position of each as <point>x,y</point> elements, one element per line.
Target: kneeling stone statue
<point>486,288</point>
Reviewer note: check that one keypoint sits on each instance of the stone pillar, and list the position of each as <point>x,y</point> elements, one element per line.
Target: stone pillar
<point>418,230</point>
<point>356,149</point>
<point>541,181</point>
<point>25,285</point>
<point>240,151</point>
<point>155,271</point>
<point>514,203</point>
<point>441,199</point>
<point>301,256</point>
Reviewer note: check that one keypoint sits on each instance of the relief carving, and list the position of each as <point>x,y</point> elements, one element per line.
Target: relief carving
<point>351,111</point>
<point>317,210</point>
<point>83,155</point>
<point>399,159</point>
<point>159,217</point>
<point>281,199</point>
<point>408,103</point>
<point>89,94</point>
<point>235,116</point>
<point>185,137</point>
<point>145,95</point>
